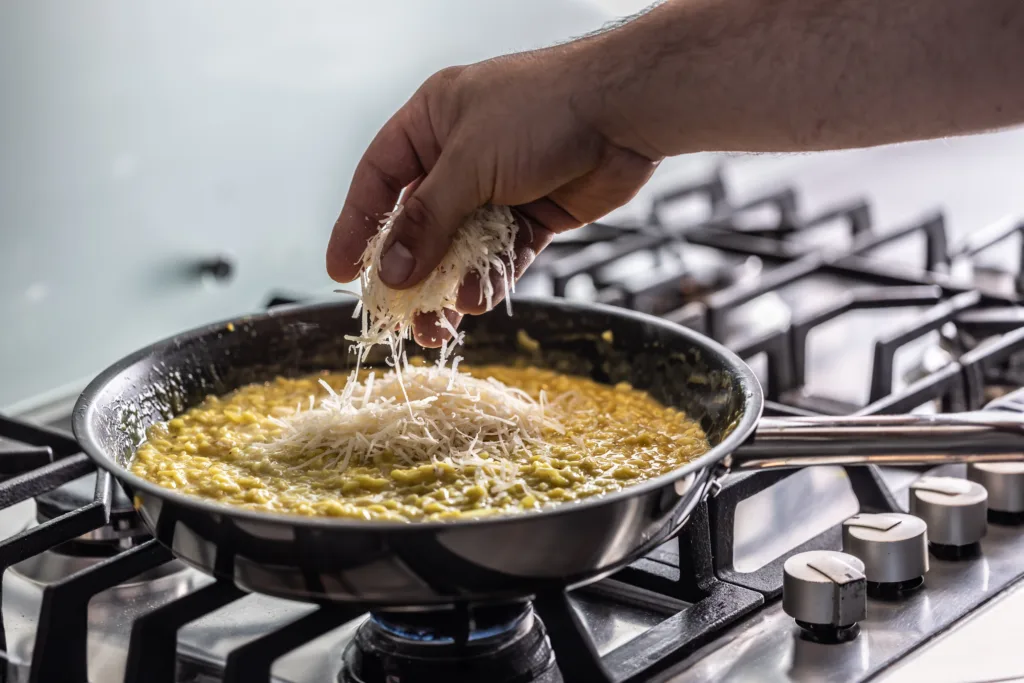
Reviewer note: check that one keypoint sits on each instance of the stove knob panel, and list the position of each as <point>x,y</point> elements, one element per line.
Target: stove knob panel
<point>955,511</point>
<point>893,547</point>
<point>1004,482</point>
<point>825,591</point>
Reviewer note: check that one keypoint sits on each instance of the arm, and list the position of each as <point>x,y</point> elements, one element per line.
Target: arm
<point>569,133</point>
<point>801,75</point>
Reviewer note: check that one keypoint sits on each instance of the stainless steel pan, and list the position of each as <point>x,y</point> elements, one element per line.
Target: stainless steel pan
<point>484,560</point>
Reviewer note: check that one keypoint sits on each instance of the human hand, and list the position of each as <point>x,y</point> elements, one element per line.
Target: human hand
<point>517,131</point>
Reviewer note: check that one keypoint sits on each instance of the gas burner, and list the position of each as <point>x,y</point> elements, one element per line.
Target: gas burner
<point>981,262</point>
<point>994,278</point>
<point>705,277</point>
<point>497,644</point>
<point>685,274</point>
<point>685,284</point>
<point>1000,378</point>
<point>999,367</point>
<point>996,388</point>
<point>955,512</point>
<point>757,318</point>
<point>124,529</point>
<point>933,358</point>
<point>893,548</point>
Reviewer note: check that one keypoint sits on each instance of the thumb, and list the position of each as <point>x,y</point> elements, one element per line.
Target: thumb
<point>429,220</point>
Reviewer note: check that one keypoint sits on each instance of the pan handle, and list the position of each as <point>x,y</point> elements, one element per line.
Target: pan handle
<point>990,435</point>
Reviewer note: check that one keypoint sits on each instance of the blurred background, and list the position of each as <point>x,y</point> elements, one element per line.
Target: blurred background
<point>170,163</point>
<point>166,164</point>
<point>141,141</point>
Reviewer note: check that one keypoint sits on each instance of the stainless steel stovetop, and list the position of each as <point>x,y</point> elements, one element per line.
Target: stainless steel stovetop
<point>768,646</point>
<point>835,314</point>
<point>969,604</point>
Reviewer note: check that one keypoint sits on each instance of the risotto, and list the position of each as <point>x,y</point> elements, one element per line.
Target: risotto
<point>607,438</point>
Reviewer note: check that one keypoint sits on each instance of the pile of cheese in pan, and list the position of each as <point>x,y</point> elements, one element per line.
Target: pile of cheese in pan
<point>434,413</point>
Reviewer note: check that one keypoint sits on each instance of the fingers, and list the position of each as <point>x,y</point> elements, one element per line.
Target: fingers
<point>429,220</point>
<point>401,152</point>
<point>428,333</point>
<point>546,215</point>
<point>582,200</point>
<point>539,221</point>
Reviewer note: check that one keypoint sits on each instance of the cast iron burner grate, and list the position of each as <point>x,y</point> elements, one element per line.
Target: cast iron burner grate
<point>60,646</point>
<point>966,382</point>
<point>986,348</point>
<point>59,653</point>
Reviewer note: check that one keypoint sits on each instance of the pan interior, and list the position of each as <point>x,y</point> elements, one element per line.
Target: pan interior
<point>677,367</point>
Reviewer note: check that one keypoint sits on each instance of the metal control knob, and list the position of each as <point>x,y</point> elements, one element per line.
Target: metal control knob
<point>1004,482</point>
<point>825,591</point>
<point>954,511</point>
<point>893,548</point>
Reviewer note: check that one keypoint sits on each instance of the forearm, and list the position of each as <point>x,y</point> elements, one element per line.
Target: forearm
<point>792,75</point>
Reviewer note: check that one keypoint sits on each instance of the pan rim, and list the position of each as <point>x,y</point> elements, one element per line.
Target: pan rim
<point>86,405</point>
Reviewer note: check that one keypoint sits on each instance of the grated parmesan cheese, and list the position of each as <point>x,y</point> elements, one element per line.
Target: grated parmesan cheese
<point>433,414</point>
<point>418,415</point>
<point>483,244</point>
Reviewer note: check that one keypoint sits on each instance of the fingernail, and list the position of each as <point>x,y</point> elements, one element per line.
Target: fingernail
<point>396,264</point>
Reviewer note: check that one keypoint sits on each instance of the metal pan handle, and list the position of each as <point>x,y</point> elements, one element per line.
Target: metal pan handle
<point>786,443</point>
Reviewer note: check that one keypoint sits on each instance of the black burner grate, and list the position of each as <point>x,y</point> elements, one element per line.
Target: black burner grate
<point>696,568</point>
<point>152,650</point>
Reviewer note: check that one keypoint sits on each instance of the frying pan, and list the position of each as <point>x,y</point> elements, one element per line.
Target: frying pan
<point>483,560</point>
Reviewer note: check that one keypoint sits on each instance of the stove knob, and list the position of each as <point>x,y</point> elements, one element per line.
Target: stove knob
<point>954,511</point>
<point>893,548</point>
<point>1004,482</point>
<point>824,590</point>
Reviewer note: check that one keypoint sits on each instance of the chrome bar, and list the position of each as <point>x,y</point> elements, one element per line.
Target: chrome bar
<point>786,443</point>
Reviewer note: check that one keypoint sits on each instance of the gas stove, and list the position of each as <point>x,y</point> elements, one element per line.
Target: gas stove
<point>836,314</point>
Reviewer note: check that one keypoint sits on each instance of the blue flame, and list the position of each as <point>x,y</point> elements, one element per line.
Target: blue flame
<point>429,635</point>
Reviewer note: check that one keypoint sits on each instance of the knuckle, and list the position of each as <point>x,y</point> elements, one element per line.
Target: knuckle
<point>440,99</point>
<point>442,81</point>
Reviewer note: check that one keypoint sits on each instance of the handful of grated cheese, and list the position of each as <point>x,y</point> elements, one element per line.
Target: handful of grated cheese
<point>417,416</point>
<point>483,244</point>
